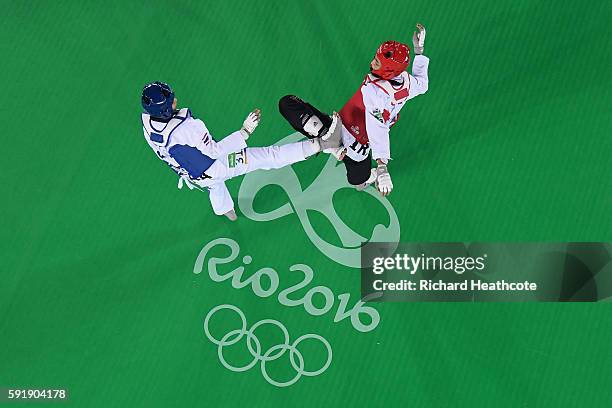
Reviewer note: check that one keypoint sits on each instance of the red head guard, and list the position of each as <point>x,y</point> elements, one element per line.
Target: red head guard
<point>393,57</point>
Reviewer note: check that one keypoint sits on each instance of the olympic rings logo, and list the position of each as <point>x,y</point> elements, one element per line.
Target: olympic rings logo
<point>273,353</point>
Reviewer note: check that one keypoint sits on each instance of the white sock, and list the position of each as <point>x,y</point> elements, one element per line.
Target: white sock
<point>310,147</point>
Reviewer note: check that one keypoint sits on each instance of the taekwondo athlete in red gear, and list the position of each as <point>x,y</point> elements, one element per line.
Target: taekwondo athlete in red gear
<point>372,111</point>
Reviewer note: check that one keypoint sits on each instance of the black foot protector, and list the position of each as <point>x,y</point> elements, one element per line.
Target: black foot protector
<point>304,117</point>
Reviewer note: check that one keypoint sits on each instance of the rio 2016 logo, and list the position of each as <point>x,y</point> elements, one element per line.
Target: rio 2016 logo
<point>317,196</point>
<point>363,318</point>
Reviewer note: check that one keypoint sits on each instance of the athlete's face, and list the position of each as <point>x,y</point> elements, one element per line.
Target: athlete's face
<point>375,64</point>
<point>174,104</point>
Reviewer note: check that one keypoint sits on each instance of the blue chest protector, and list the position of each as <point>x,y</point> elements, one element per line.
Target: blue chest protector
<point>182,157</point>
<point>191,159</point>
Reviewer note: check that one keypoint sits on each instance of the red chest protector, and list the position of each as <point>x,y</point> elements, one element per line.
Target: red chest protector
<point>354,111</point>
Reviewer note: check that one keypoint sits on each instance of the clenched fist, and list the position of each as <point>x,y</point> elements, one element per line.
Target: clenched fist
<point>383,180</point>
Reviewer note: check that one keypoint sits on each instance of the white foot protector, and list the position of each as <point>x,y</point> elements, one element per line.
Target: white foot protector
<point>231,215</point>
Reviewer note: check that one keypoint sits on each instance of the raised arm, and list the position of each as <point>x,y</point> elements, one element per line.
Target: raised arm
<point>419,81</point>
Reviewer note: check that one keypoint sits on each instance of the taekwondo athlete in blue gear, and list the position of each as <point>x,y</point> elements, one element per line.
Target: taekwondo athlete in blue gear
<point>185,144</point>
